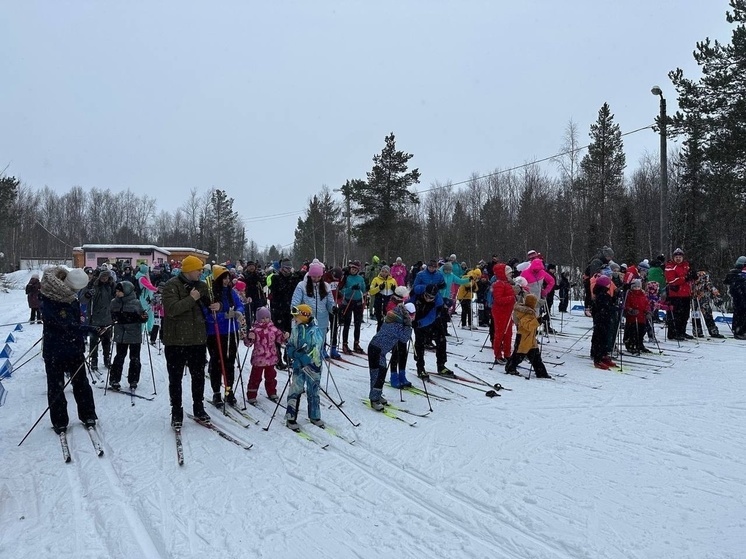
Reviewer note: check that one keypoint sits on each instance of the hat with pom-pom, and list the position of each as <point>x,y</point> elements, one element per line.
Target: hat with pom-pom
<point>76,279</point>
<point>644,265</point>
<point>263,312</point>
<point>316,269</point>
<point>401,292</point>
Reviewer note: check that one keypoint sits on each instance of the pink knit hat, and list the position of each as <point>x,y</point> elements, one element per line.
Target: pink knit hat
<point>316,269</point>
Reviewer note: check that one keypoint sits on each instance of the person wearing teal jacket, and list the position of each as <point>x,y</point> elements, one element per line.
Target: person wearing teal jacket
<point>352,290</point>
<point>451,279</point>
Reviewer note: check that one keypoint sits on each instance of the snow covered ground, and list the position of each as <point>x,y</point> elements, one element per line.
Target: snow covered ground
<point>648,463</point>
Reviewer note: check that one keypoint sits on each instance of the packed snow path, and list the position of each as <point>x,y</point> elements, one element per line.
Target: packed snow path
<point>596,464</point>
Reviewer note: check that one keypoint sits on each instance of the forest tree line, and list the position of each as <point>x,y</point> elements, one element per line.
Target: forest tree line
<point>585,198</point>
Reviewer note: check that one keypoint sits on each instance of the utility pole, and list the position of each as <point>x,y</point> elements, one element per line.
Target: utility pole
<point>665,249</point>
<point>345,190</point>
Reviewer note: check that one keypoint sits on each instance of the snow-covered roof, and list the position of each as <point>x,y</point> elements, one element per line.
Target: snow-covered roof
<point>89,248</point>
<point>187,249</point>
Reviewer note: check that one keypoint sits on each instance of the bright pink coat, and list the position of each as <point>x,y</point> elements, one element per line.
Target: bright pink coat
<point>265,351</point>
<point>399,273</point>
<point>536,273</point>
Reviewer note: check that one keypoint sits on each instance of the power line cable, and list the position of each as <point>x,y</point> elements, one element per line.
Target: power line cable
<point>449,185</point>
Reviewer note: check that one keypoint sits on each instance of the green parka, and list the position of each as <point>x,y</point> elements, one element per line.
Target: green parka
<point>184,320</point>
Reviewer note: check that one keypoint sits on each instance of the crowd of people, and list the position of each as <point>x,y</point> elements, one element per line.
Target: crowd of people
<point>298,318</point>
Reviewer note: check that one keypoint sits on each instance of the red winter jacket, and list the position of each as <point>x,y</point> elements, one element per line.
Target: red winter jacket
<point>636,306</point>
<point>503,296</point>
<point>676,281</point>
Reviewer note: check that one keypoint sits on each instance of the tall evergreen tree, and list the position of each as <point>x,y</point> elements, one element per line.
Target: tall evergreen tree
<point>712,116</point>
<point>603,175</point>
<point>380,203</point>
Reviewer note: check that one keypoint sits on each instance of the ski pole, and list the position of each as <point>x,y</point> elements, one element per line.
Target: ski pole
<point>330,376</point>
<point>240,368</point>
<point>152,373</point>
<point>722,313</point>
<point>27,360</point>
<point>450,319</point>
<point>60,394</point>
<point>424,384</point>
<point>287,383</point>
<point>339,407</point>
<point>29,349</point>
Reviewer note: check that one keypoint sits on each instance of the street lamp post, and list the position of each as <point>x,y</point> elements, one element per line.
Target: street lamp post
<point>664,171</point>
<point>345,190</point>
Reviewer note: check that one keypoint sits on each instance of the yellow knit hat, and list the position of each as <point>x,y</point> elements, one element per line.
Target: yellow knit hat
<point>191,264</point>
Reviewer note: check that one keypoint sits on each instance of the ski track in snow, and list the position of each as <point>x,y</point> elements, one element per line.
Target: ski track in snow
<point>639,468</point>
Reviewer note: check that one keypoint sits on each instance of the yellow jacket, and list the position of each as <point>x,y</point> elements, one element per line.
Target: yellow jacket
<point>384,286</point>
<point>465,291</point>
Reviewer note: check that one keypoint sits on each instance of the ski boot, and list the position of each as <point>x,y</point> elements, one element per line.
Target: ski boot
<point>395,382</point>
<point>403,382</point>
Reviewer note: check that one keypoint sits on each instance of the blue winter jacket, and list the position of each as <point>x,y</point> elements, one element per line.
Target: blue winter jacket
<point>321,307</point>
<point>305,345</point>
<point>431,315</point>
<point>425,278</point>
<point>228,300</point>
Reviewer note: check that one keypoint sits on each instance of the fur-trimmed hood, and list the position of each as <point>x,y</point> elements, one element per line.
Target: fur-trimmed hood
<point>53,285</point>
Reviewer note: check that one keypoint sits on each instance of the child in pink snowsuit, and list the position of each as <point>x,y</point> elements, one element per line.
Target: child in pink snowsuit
<point>264,336</point>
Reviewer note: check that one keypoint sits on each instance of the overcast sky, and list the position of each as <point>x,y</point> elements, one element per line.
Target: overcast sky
<point>272,100</point>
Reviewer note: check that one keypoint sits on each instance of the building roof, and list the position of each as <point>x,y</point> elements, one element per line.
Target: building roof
<point>119,248</point>
<point>186,249</point>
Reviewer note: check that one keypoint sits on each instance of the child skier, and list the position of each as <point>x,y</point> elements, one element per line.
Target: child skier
<point>304,349</point>
<point>603,307</point>
<point>527,322</point>
<point>396,328</point>
<point>128,316</point>
<point>266,339</point>
<point>635,314</point>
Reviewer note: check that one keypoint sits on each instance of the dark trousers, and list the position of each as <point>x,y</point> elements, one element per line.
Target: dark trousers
<point>35,315</point>
<point>634,333</point>
<point>133,373</point>
<point>600,339</point>
<point>465,312</point>
<point>178,357</point>
<point>377,366</point>
<point>435,333</point>
<point>354,309</point>
<point>399,357</point>
<point>56,367</point>
<point>564,300</point>
<point>379,308</point>
<point>228,347</point>
<point>104,340</point>
<point>678,316</point>
<point>334,328</point>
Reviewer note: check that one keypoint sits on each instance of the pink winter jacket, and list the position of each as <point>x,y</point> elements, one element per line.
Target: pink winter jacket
<point>536,275</point>
<point>265,350</point>
<point>399,273</point>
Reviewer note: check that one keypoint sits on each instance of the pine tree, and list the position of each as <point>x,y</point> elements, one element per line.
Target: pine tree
<point>381,202</point>
<point>712,116</point>
<point>603,175</point>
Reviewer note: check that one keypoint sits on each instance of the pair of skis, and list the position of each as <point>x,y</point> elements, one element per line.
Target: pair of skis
<point>95,441</point>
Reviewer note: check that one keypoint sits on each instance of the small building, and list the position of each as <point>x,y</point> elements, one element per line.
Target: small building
<point>134,255</point>
<point>180,253</point>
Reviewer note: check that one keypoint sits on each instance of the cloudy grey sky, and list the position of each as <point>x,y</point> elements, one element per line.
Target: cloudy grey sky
<point>272,100</point>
